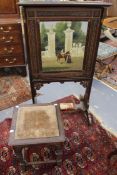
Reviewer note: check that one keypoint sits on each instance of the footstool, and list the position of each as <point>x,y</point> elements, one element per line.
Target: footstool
<point>37,134</point>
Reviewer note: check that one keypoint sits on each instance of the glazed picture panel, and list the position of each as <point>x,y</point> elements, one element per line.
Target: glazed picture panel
<point>63,45</point>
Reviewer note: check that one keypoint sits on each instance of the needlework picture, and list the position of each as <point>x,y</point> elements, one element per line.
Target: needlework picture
<point>62,45</point>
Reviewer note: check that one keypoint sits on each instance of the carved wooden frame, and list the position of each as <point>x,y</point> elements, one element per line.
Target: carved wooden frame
<point>35,15</point>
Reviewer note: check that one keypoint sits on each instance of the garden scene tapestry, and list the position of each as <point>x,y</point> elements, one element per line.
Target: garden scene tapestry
<point>62,45</point>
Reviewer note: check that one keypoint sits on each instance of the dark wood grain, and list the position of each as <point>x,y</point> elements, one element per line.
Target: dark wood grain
<point>11,41</point>
<point>13,60</point>
<point>11,44</point>
<point>11,26</point>
<point>10,38</point>
<point>9,8</point>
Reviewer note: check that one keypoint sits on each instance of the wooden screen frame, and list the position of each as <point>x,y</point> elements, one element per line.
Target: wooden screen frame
<point>91,15</point>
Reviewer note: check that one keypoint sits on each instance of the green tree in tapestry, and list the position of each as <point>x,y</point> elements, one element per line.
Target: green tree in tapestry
<point>59,29</point>
<point>78,35</point>
<point>44,37</point>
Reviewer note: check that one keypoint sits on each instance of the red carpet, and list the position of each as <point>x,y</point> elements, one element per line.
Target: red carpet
<point>13,90</point>
<point>86,149</point>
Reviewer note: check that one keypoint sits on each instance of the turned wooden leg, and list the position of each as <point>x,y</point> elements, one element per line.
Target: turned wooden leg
<point>19,157</point>
<point>35,86</point>
<point>59,154</point>
<point>33,92</point>
<point>86,101</point>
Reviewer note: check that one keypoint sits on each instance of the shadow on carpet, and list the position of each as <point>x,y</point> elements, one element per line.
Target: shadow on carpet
<point>86,151</point>
<point>13,91</point>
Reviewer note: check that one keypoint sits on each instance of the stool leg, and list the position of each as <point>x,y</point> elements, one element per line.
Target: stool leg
<point>59,154</point>
<point>19,157</point>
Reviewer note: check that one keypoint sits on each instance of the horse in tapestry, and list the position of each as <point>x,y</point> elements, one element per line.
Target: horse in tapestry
<point>63,56</point>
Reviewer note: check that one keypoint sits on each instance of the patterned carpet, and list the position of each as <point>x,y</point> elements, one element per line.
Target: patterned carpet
<point>13,90</point>
<point>86,150</point>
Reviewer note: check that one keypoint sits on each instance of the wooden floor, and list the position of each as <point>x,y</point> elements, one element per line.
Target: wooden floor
<point>103,101</point>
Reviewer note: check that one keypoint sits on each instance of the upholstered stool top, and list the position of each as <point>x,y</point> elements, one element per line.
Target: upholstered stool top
<point>36,124</point>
